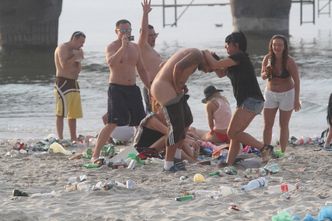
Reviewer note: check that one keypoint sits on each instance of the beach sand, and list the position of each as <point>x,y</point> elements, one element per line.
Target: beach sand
<point>154,193</point>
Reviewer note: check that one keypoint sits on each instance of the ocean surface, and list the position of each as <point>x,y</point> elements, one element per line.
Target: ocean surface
<point>26,85</point>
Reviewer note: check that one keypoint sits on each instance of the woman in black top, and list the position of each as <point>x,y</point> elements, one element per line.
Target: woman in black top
<point>248,95</point>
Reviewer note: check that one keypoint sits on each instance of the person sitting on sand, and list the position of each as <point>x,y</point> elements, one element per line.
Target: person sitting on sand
<point>219,115</point>
<point>327,145</point>
<point>151,135</point>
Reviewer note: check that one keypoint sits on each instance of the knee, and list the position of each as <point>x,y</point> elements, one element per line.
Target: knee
<point>232,134</point>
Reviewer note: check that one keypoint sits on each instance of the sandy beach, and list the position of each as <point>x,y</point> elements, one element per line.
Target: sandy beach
<point>305,169</point>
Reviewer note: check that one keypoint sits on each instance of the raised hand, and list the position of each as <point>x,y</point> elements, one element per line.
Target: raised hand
<point>146,4</point>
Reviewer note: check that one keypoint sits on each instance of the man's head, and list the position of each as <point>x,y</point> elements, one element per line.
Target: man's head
<point>204,65</point>
<point>123,27</point>
<point>77,39</point>
<point>152,35</point>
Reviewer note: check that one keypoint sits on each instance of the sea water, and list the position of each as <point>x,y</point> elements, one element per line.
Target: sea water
<point>27,101</point>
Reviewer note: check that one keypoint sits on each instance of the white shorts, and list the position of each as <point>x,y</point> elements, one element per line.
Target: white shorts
<point>282,100</point>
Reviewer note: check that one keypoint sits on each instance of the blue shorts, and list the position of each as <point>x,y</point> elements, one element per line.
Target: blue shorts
<point>253,105</point>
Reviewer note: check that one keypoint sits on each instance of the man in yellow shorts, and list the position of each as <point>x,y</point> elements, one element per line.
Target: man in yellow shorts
<point>67,58</point>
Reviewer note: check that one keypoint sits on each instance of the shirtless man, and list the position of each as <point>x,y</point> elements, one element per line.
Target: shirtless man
<point>125,106</point>
<point>67,58</point>
<point>150,57</point>
<point>168,89</point>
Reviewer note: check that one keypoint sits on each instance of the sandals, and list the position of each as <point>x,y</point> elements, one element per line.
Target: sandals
<point>266,152</point>
<point>98,161</point>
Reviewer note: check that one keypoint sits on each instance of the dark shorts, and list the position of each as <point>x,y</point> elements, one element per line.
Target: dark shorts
<point>125,106</point>
<point>147,101</point>
<point>178,117</point>
<point>145,137</point>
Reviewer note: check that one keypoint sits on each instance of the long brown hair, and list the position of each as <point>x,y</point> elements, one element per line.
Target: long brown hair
<point>284,53</point>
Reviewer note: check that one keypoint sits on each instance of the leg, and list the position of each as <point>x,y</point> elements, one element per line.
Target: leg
<point>284,128</point>
<point>240,121</point>
<point>72,129</point>
<point>269,117</point>
<point>170,151</point>
<point>188,150</point>
<point>102,139</point>
<point>59,127</point>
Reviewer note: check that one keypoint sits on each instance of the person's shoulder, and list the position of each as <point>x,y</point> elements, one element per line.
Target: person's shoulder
<point>291,61</point>
<point>267,56</point>
<point>62,46</point>
<point>112,45</point>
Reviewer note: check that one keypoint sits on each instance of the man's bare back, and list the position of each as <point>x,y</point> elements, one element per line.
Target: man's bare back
<point>170,80</point>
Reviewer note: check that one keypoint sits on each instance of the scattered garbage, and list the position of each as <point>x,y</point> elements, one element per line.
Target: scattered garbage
<point>58,148</point>
<point>272,167</point>
<point>253,173</point>
<point>198,178</point>
<point>325,213</point>
<point>185,198</point>
<point>17,192</point>
<point>254,184</point>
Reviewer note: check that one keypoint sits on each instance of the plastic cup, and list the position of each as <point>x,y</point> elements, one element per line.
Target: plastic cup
<point>198,178</point>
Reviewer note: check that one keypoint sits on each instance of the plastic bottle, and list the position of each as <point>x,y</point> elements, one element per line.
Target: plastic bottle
<point>254,184</point>
<point>185,198</point>
<point>227,190</point>
<point>214,194</point>
<point>50,194</point>
<point>216,173</point>
<point>132,164</point>
<point>83,186</point>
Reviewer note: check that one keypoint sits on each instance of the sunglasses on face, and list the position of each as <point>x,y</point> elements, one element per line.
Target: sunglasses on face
<point>122,30</point>
<point>154,35</point>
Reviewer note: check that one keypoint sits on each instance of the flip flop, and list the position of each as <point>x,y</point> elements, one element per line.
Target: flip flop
<point>98,161</point>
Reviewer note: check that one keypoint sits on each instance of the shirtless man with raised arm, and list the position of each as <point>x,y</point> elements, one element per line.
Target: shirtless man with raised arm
<point>150,57</point>
<point>67,59</point>
<point>125,106</point>
<point>168,89</point>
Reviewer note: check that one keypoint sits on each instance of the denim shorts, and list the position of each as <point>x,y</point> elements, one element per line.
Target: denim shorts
<point>253,105</point>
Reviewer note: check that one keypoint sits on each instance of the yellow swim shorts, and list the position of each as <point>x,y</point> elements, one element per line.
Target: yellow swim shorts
<point>68,98</point>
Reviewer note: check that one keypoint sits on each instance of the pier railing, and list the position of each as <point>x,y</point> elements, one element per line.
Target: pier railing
<point>324,7</point>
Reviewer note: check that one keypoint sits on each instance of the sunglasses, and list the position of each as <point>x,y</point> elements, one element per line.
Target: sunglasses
<point>154,35</point>
<point>124,30</point>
